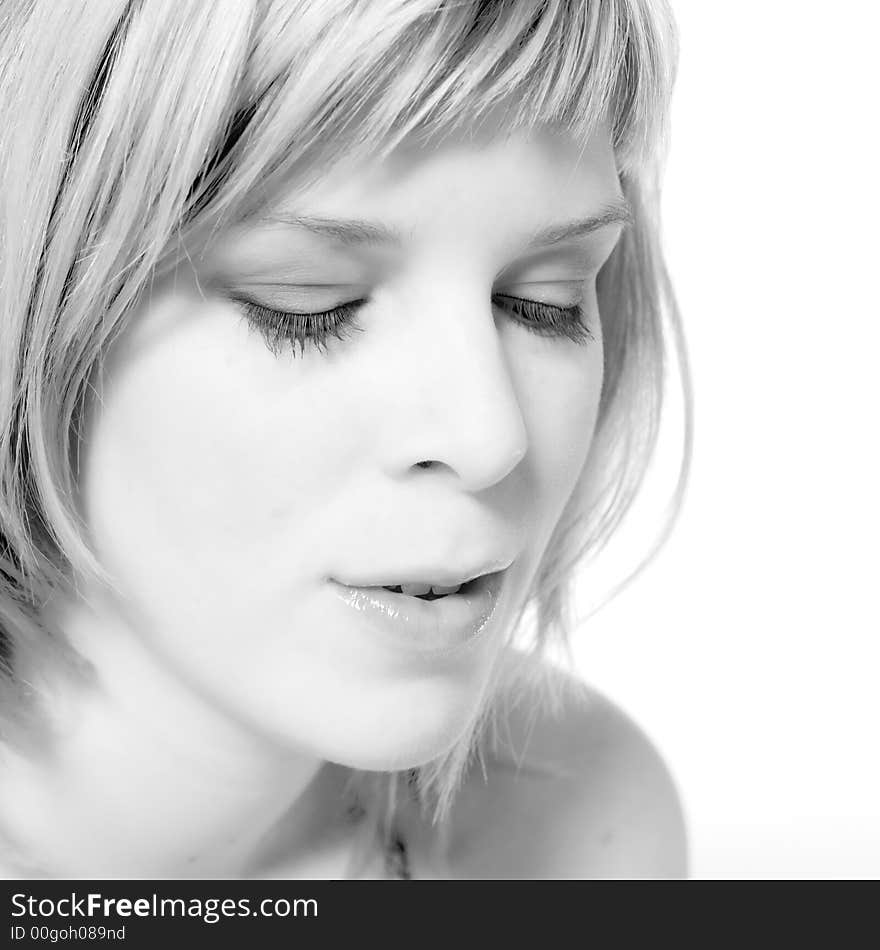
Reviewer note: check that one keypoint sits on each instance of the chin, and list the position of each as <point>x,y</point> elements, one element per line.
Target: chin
<point>417,752</point>
<point>387,719</point>
<point>375,744</point>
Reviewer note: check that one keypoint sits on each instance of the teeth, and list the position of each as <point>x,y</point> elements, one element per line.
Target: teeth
<point>445,590</point>
<point>415,589</point>
<point>419,590</point>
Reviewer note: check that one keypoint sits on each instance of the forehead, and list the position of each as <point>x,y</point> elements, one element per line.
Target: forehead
<point>467,181</point>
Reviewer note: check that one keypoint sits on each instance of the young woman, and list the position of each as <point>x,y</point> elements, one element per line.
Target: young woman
<point>333,339</point>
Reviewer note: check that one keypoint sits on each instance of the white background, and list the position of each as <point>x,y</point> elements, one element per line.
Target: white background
<point>749,651</point>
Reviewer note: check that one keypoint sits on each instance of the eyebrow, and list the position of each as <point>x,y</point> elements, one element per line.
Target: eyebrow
<point>357,232</point>
<point>344,231</point>
<point>620,212</point>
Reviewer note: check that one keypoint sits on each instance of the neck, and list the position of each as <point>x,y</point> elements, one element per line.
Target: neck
<point>145,778</point>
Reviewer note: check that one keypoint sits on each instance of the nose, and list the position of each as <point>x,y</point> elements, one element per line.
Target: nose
<point>458,410</point>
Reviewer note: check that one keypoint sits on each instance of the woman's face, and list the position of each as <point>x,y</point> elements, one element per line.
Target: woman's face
<point>252,495</point>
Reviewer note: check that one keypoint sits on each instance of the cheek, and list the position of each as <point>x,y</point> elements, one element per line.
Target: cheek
<point>560,387</point>
<point>205,458</point>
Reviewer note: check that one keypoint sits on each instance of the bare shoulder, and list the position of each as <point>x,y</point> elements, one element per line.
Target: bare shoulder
<point>575,791</point>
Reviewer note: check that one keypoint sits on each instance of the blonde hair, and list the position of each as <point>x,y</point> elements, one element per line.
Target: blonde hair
<point>120,149</point>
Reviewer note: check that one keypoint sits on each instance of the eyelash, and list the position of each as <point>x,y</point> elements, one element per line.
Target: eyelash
<point>546,320</point>
<point>281,328</point>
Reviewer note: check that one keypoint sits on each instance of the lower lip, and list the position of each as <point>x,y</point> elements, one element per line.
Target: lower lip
<point>436,627</point>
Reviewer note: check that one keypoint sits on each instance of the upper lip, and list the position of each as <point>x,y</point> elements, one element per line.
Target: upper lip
<point>435,576</point>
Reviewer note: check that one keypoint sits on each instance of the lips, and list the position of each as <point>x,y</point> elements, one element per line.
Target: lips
<point>427,577</point>
<point>430,622</point>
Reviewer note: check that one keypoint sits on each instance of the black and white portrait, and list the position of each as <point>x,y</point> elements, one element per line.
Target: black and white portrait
<point>354,520</point>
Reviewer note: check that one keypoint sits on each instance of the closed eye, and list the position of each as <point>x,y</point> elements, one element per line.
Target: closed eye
<point>544,319</point>
<point>301,329</point>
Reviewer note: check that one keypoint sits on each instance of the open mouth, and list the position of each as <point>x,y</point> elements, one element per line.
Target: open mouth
<point>430,617</point>
<point>431,591</point>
